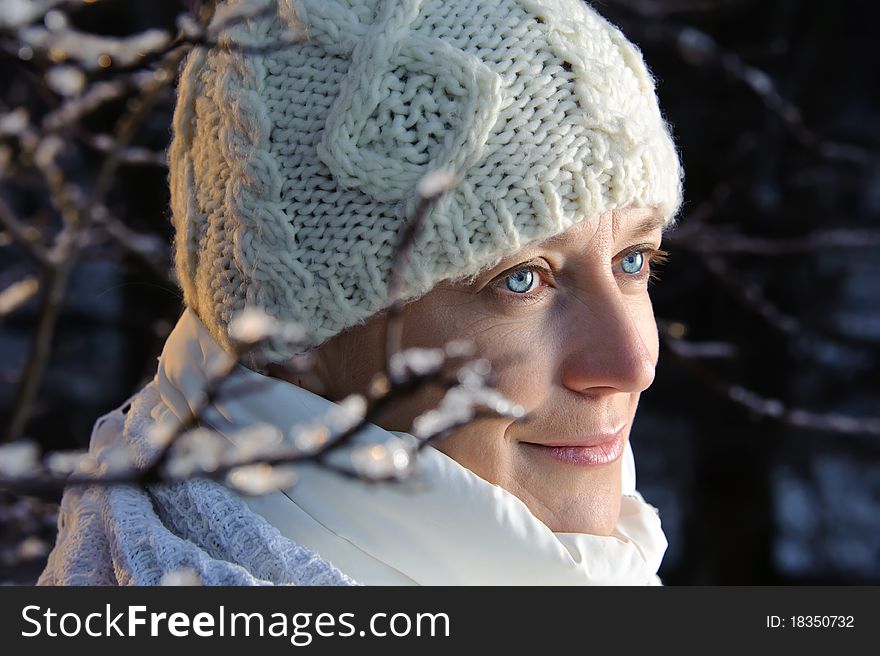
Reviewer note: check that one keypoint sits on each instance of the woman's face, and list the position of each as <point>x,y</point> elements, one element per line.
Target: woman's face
<point>570,330</point>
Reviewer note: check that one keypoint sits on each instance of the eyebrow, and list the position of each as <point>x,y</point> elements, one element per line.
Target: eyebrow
<point>643,227</point>
<point>646,226</point>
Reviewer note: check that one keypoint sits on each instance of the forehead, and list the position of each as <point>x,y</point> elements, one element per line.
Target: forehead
<point>629,223</point>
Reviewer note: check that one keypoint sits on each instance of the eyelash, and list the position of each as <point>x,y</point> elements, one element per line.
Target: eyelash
<point>655,257</point>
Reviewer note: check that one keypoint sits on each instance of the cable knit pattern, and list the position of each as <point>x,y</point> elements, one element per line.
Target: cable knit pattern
<point>293,168</point>
<point>122,535</point>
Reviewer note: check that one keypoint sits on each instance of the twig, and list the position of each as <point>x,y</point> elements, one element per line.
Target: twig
<point>23,236</point>
<point>700,239</point>
<point>428,196</point>
<point>772,408</point>
<point>133,155</point>
<point>698,48</point>
<point>44,485</point>
<point>146,247</point>
<point>751,295</point>
<point>66,251</point>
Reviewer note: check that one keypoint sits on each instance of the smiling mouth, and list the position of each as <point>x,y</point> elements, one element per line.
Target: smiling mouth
<point>595,450</point>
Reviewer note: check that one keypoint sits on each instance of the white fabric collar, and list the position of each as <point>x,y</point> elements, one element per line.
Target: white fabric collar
<point>446,527</point>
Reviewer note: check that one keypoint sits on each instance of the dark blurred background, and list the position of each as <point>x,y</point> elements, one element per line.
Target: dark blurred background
<point>759,441</point>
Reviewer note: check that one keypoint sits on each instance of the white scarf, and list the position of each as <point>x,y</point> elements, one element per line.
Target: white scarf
<point>447,527</point>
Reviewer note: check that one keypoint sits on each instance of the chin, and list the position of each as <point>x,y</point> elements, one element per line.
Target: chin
<point>579,501</point>
<point>599,522</point>
<point>594,511</point>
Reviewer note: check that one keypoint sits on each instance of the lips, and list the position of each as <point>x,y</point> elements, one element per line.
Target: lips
<point>592,440</point>
<point>600,449</point>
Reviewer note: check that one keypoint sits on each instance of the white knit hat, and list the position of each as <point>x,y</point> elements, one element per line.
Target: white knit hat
<point>294,164</point>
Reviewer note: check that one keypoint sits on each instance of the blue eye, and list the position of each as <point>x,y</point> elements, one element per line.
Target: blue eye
<point>633,262</point>
<point>521,281</point>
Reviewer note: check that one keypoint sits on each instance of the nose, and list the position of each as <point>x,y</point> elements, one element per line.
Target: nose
<point>607,349</point>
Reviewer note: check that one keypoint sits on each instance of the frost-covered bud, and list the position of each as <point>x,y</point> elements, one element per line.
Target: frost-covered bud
<point>55,20</point>
<point>347,413</point>
<point>62,463</point>
<point>17,13</point>
<point>115,459</point>
<point>496,401</point>
<point>90,51</point>
<point>17,294</point>
<point>66,80</point>
<point>13,123</point>
<point>252,325</point>
<point>31,548</point>
<point>416,360</point>
<point>292,332</point>
<point>474,373</point>
<point>695,46</point>
<point>220,364</point>
<point>19,459</point>
<point>379,385</point>
<point>261,478</point>
<point>759,81</point>
<point>434,183</point>
<point>196,451</point>
<point>188,26</point>
<point>159,435</point>
<point>255,442</point>
<point>374,461</point>
<point>769,407</point>
<point>455,408</point>
<point>89,465</point>
<point>309,438</point>
<point>47,150</point>
<point>460,348</point>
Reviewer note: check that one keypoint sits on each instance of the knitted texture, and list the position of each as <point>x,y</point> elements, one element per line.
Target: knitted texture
<point>123,535</point>
<point>299,142</point>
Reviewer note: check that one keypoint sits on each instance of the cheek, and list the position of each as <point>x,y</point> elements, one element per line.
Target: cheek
<point>439,317</point>
<point>524,371</point>
<point>522,352</point>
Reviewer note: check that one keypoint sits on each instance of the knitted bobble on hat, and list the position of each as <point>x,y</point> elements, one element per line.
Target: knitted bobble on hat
<point>293,167</point>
